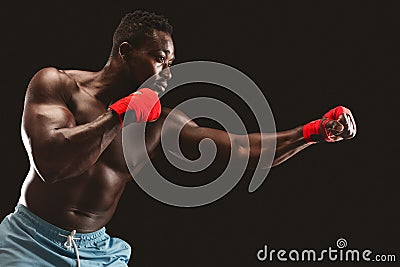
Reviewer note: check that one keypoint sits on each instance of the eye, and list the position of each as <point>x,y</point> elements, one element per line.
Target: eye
<point>160,59</point>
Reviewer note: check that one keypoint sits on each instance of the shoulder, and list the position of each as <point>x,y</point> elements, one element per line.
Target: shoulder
<point>176,117</point>
<point>172,121</point>
<point>51,76</point>
<point>50,83</point>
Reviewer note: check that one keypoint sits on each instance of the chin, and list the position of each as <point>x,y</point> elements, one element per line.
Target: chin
<point>158,88</point>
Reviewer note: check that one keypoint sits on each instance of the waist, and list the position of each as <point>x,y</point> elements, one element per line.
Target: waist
<point>53,232</point>
<point>71,218</point>
<point>83,204</point>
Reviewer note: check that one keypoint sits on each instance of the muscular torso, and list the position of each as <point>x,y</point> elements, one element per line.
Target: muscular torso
<point>88,201</point>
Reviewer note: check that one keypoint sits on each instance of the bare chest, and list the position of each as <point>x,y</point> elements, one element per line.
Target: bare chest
<point>131,148</point>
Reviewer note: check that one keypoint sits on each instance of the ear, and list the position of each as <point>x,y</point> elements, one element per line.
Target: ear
<point>124,49</point>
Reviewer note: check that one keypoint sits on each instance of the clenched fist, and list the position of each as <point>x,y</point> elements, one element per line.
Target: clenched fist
<point>337,124</point>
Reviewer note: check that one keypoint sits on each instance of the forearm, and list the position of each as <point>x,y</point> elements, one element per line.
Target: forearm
<point>71,151</point>
<point>286,144</point>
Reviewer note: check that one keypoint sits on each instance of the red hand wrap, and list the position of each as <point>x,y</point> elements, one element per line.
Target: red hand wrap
<point>144,103</point>
<point>315,131</point>
<point>334,113</point>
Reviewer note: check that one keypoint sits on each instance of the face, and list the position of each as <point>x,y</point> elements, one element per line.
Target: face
<point>152,59</point>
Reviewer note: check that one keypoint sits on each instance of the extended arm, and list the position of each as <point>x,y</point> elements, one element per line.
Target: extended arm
<point>335,125</point>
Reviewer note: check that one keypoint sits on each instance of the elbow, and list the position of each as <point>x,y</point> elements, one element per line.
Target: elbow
<point>51,165</point>
<point>259,151</point>
<point>253,157</point>
<point>47,174</point>
<point>50,171</point>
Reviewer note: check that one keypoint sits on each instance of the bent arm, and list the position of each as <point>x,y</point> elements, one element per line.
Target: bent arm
<point>57,147</point>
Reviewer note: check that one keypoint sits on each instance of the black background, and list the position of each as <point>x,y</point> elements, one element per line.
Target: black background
<point>307,56</point>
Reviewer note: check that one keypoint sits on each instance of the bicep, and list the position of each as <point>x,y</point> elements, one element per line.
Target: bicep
<point>42,120</point>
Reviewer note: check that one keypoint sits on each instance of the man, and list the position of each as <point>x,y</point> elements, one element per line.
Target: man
<point>71,129</point>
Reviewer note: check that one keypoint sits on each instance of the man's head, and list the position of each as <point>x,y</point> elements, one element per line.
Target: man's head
<point>136,26</point>
<point>143,41</point>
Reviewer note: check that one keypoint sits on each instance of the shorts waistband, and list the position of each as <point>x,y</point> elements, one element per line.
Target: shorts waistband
<point>56,233</point>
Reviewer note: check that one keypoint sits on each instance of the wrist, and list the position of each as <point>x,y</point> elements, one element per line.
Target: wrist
<point>312,132</point>
<point>115,116</point>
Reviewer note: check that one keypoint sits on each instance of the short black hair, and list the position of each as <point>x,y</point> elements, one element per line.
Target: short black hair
<point>137,24</point>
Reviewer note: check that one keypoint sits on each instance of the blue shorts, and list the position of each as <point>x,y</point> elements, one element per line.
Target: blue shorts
<point>27,240</point>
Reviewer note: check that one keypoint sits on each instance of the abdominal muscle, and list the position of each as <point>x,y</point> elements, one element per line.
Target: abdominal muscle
<point>84,203</point>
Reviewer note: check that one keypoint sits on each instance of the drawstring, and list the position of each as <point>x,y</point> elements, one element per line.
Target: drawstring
<point>71,243</point>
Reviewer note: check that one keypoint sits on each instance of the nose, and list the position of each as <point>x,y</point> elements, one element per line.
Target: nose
<point>166,73</point>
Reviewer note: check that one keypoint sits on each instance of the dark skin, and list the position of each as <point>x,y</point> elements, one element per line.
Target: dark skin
<point>78,171</point>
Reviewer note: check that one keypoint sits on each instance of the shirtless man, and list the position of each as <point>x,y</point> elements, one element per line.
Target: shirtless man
<point>71,130</point>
